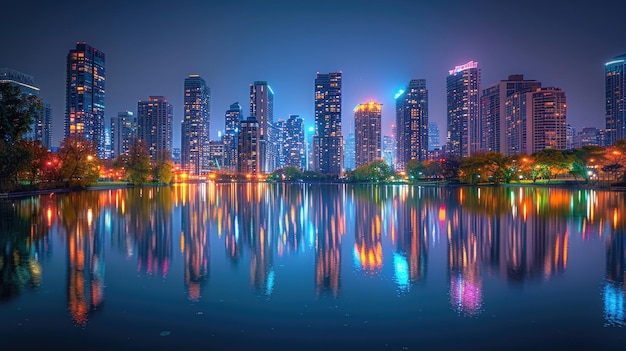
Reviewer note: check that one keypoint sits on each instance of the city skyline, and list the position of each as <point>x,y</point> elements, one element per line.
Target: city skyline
<point>500,44</point>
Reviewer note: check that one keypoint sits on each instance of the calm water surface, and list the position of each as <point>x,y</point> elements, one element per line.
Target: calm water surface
<point>314,267</point>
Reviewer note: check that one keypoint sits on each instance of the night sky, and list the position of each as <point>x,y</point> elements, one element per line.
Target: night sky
<point>151,46</point>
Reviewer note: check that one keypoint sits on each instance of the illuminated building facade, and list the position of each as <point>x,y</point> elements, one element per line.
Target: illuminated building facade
<point>348,150</point>
<point>367,118</point>
<point>493,112</point>
<point>123,133</point>
<point>412,123</point>
<point>248,146</point>
<point>615,83</point>
<point>536,121</point>
<point>328,141</point>
<point>195,136</point>
<point>232,119</point>
<point>293,146</point>
<point>433,136</point>
<point>463,100</point>
<point>549,119</point>
<point>84,107</point>
<point>262,109</point>
<point>154,126</point>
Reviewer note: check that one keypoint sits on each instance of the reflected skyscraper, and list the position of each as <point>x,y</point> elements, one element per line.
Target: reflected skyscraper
<point>328,214</point>
<point>194,241</point>
<point>463,96</point>
<point>85,93</point>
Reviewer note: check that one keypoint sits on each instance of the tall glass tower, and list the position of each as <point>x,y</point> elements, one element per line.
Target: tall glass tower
<point>463,84</point>
<point>615,82</point>
<point>328,141</point>
<point>154,126</point>
<point>195,138</point>
<point>262,109</point>
<point>232,120</point>
<point>367,131</point>
<point>412,123</point>
<point>84,107</point>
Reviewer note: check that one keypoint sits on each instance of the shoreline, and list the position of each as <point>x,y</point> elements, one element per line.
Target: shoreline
<point>574,186</point>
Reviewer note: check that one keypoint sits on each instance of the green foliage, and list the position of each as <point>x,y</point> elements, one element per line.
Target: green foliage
<point>17,113</point>
<point>137,164</point>
<point>375,171</point>
<point>79,165</point>
<point>415,170</point>
<point>164,172</point>
<point>287,173</point>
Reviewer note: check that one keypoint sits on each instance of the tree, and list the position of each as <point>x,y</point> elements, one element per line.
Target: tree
<point>33,171</point>
<point>17,113</point>
<point>375,171</point>
<point>137,164</point>
<point>164,172</point>
<point>79,165</point>
<point>415,170</point>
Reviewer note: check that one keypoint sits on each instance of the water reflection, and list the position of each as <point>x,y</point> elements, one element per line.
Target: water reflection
<point>518,235</point>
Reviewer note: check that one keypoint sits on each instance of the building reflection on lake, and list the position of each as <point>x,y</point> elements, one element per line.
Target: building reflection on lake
<point>518,234</point>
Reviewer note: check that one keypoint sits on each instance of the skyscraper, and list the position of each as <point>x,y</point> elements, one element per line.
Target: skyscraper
<point>123,133</point>
<point>293,149</point>
<point>412,123</point>
<point>195,138</point>
<point>493,113</point>
<point>367,131</point>
<point>84,108</point>
<point>348,151</point>
<point>549,119</point>
<point>154,126</point>
<point>232,119</point>
<point>248,162</point>
<point>463,91</point>
<point>433,136</point>
<point>615,91</point>
<point>536,120</point>
<point>262,109</point>
<point>327,140</point>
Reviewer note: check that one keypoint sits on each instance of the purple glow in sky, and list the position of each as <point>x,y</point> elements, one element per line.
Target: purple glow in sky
<point>151,46</point>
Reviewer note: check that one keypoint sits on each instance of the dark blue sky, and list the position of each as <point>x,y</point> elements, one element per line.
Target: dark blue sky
<point>151,46</point>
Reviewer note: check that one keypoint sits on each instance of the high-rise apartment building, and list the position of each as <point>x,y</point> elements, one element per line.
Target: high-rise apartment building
<point>215,156</point>
<point>412,123</point>
<point>41,128</point>
<point>293,147</point>
<point>348,151</point>
<point>536,120</point>
<point>367,131</point>
<point>463,97</point>
<point>123,133</point>
<point>84,107</point>
<point>232,120</point>
<point>327,140</point>
<point>433,136</point>
<point>615,91</point>
<point>262,109</point>
<point>493,125</point>
<point>248,162</point>
<point>154,126</point>
<point>388,150</point>
<point>195,138</point>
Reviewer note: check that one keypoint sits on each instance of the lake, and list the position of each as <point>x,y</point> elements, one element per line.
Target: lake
<point>248,266</point>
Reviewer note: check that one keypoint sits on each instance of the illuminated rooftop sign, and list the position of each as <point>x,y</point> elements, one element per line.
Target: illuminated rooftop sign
<point>461,68</point>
